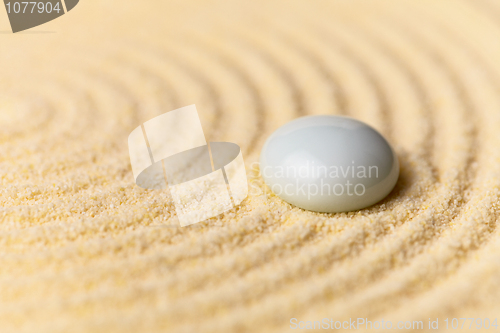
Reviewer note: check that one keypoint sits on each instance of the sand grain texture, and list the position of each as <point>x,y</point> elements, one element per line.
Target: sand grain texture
<point>83,249</point>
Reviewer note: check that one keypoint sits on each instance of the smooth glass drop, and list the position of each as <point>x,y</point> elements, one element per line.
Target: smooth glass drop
<point>329,164</point>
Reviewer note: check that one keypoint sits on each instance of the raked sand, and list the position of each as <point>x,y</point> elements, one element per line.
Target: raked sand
<point>83,249</point>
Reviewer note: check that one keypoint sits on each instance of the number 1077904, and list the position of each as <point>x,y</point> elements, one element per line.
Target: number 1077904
<point>32,7</point>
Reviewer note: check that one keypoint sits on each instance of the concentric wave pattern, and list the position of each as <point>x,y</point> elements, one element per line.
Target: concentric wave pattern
<point>83,249</point>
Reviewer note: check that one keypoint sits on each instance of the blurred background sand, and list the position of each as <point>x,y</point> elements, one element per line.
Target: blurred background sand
<point>83,249</point>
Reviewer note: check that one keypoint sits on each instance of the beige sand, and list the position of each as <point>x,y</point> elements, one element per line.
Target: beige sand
<point>83,249</point>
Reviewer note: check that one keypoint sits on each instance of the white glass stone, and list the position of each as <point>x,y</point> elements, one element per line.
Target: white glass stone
<point>329,164</point>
